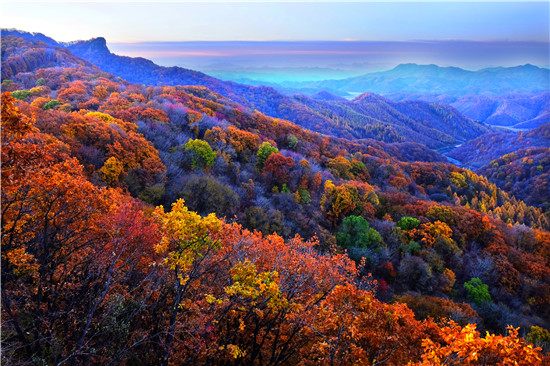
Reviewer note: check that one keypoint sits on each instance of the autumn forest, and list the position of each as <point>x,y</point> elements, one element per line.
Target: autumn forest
<point>148,222</point>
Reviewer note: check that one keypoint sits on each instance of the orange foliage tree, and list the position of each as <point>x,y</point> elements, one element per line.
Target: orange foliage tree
<point>465,346</point>
<point>71,252</point>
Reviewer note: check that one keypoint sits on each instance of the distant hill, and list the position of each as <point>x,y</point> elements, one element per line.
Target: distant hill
<point>378,119</point>
<point>24,61</point>
<point>373,123</point>
<point>483,95</point>
<point>328,97</point>
<point>433,79</point>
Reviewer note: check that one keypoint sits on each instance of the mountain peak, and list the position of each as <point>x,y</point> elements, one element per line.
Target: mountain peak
<point>407,66</point>
<point>99,40</point>
<point>327,97</point>
<point>96,45</point>
<point>369,97</point>
<point>99,44</point>
<point>529,67</point>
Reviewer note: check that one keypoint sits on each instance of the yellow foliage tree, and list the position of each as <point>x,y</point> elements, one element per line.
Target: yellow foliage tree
<point>111,170</point>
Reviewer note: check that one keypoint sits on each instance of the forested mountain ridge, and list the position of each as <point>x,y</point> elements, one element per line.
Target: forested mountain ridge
<point>34,36</point>
<point>380,121</point>
<point>267,100</point>
<point>20,55</point>
<point>92,273</point>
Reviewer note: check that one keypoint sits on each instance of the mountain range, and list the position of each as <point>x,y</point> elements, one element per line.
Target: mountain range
<point>517,97</point>
<point>433,124</point>
<point>433,79</point>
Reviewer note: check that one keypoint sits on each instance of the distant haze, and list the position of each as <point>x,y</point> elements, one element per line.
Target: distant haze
<point>318,60</point>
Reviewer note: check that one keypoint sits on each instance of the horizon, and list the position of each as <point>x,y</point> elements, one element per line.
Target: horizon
<point>283,61</point>
<point>290,41</point>
<point>242,60</point>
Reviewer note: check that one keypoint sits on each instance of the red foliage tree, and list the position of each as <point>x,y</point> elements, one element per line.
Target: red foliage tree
<point>277,168</point>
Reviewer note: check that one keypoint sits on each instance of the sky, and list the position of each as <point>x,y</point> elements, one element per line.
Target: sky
<point>378,34</point>
<point>271,21</point>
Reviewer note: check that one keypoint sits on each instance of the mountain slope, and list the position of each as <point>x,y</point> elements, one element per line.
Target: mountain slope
<point>106,278</point>
<point>482,150</point>
<point>517,162</point>
<point>19,56</point>
<point>371,115</point>
<point>476,94</point>
<point>373,122</point>
<point>64,69</point>
<point>30,35</point>
<point>525,173</point>
<point>513,110</point>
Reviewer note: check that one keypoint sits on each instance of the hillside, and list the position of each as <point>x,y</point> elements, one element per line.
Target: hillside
<point>517,162</point>
<point>522,111</point>
<point>524,173</point>
<point>482,150</point>
<point>20,56</point>
<point>373,116</point>
<point>269,243</point>
<point>34,36</point>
